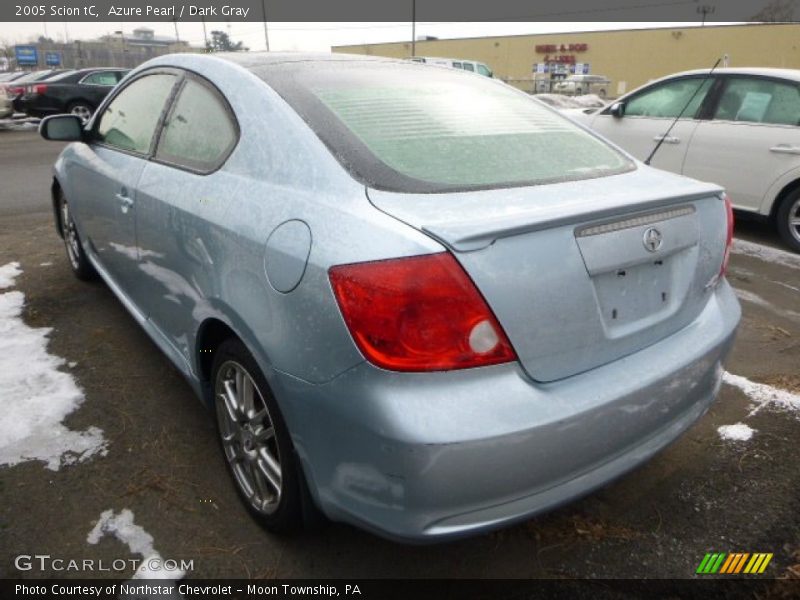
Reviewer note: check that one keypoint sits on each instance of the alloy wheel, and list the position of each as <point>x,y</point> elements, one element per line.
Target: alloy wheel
<point>794,219</point>
<point>248,437</point>
<point>70,235</point>
<point>82,111</point>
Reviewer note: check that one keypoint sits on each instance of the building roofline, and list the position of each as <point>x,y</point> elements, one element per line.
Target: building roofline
<point>520,35</point>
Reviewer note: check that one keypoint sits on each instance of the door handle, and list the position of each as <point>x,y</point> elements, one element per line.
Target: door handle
<point>785,149</point>
<point>125,203</point>
<point>668,139</point>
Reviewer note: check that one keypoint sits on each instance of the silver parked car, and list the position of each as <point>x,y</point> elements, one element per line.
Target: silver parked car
<point>419,301</point>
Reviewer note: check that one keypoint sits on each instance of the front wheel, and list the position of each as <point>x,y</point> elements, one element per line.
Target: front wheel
<point>81,267</point>
<point>256,442</point>
<point>788,220</point>
<point>82,110</point>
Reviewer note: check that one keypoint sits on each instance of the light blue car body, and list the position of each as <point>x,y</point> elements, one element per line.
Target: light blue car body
<point>414,456</point>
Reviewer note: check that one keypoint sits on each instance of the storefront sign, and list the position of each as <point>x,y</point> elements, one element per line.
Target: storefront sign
<point>561,53</point>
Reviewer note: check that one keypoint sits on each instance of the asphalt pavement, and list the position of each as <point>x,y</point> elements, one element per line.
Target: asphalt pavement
<point>702,494</point>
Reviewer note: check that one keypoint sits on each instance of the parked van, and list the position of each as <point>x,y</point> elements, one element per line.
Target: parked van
<point>455,63</point>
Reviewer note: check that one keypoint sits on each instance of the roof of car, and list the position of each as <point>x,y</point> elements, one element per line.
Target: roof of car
<point>793,74</point>
<point>250,60</point>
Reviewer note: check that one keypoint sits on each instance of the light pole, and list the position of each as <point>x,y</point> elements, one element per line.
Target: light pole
<point>705,10</point>
<point>121,35</point>
<point>413,28</point>
<point>266,35</point>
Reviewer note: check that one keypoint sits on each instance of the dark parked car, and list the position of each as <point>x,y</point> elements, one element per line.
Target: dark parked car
<point>77,92</point>
<point>11,76</point>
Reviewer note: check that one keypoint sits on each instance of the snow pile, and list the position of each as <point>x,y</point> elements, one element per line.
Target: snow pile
<point>122,527</point>
<point>738,433</point>
<point>35,397</point>
<point>763,394</point>
<point>561,101</point>
<point>766,253</point>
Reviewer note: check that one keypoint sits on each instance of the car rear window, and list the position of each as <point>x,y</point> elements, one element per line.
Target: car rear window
<point>63,76</point>
<point>404,127</point>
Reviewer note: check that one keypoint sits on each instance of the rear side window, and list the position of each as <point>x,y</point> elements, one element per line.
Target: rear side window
<point>101,78</point>
<point>669,99</point>
<point>469,67</point>
<point>428,130</point>
<point>199,132</point>
<point>457,65</point>
<point>760,101</point>
<point>130,120</point>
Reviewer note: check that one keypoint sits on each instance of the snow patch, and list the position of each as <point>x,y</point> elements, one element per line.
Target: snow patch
<point>756,299</point>
<point>122,527</point>
<point>737,433</point>
<point>35,397</point>
<point>45,264</point>
<point>751,297</point>
<point>764,395</point>
<point>766,253</point>
<point>8,273</point>
<point>562,101</point>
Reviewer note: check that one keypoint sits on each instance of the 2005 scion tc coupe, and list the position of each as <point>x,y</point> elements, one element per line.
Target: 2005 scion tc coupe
<point>420,301</point>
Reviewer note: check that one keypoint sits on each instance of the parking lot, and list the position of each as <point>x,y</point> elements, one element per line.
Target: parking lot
<point>161,459</point>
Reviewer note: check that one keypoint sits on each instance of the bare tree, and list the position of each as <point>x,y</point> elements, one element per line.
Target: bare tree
<point>777,11</point>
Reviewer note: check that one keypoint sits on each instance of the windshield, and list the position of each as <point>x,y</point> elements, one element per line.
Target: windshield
<point>409,128</point>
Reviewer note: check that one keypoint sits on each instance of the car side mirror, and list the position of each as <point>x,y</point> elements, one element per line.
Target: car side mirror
<point>617,110</point>
<point>62,128</point>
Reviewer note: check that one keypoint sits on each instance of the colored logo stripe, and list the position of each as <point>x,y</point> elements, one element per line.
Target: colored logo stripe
<point>758,563</point>
<point>735,562</point>
<point>711,563</point>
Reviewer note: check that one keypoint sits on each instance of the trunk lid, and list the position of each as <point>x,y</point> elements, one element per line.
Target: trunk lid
<point>581,273</point>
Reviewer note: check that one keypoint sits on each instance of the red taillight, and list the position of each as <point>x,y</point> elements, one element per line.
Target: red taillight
<point>14,91</point>
<point>729,239</point>
<point>39,89</point>
<point>421,313</point>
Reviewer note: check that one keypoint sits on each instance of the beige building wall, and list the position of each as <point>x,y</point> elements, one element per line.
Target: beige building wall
<point>629,58</point>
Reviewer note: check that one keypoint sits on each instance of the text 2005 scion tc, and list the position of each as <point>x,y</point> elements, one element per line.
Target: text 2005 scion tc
<point>420,301</point>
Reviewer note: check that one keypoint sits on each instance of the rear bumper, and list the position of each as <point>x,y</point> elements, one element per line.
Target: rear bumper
<point>428,457</point>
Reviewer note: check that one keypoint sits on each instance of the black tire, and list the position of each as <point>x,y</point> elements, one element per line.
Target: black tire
<point>80,265</point>
<point>82,109</point>
<point>243,449</point>
<point>788,212</point>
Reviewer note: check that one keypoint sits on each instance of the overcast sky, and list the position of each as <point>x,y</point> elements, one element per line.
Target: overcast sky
<point>302,36</point>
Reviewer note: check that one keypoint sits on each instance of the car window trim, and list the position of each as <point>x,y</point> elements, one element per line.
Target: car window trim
<point>217,93</point>
<point>700,109</point>
<point>82,80</point>
<point>156,131</point>
<point>725,79</point>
